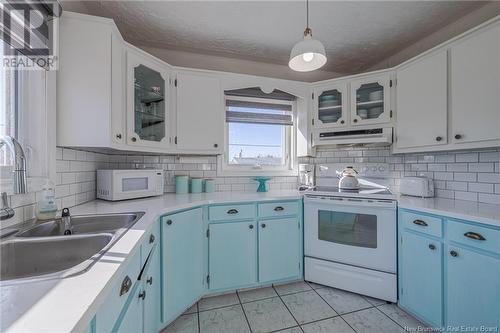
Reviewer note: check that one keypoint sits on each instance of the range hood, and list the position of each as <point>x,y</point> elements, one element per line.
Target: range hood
<point>364,137</point>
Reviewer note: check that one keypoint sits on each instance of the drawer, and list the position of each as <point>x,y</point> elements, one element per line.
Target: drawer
<point>152,238</point>
<point>231,212</point>
<point>430,225</point>
<point>278,209</point>
<point>474,235</point>
<point>109,311</point>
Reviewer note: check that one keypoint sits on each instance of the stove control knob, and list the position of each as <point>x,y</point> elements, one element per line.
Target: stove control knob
<point>374,168</point>
<point>364,169</point>
<point>381,168</point>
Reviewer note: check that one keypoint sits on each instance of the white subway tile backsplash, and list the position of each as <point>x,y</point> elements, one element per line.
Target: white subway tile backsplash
<point>489,157</point>
<point>481,187</point>
<point>456,167</point>
<point>489,198</point>
<point>481,167</point>
<point>470,157</point>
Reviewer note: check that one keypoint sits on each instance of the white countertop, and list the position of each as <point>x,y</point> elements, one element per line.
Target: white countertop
<point>68,305</point>
<point>460,209</point>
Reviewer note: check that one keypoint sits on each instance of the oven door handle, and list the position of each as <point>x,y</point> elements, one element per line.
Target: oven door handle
<point>351,201</point>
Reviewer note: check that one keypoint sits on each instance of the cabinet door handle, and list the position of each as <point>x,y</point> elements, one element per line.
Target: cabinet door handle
<point>149,280</point>
<point>454,253</point>
<point>263,225</point>
<point>134,139</point>
<point>420,223</point>
<point>474,236</point>
<point>279,209</point>
<point>250,226</point>
<point>216,145</point>
<point>169,222</point>
<point>432,247</point>
<point>118,136</point>
<point>232,211</point>
<point>142,294</point>
<point>438,138</point>
<point>126,284</point>
<point>151,239</point>
<point>342,122</point>
<point>458,136</point>
<point>355,120</point>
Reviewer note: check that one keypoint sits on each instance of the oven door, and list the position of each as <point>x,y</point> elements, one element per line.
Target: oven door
<point>134,184</point>
<point>358,232</point>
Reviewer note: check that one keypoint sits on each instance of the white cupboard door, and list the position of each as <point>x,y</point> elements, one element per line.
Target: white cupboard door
<point>148,101</point>
<point>330,106</point>
<point>200,112</point>
<point>370,100</point>
<point>118,90</point>
<point>475,87</point>
<point>421,92</point>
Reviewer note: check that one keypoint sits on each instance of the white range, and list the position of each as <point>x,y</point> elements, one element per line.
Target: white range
<point>350,236</point>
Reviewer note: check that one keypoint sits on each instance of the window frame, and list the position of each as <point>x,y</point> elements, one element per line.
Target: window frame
<point>289,168</point>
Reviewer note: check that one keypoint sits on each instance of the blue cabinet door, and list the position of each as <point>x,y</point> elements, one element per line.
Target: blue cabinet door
<point>131,318</point>
<point>473,288</point>
<point>232,255</point>
<point>182,261</point>
<point>151,284</point>
<point>279,249</point>
<point>420,289</point>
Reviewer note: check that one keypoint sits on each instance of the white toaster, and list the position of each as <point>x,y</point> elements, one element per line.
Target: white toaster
<point>417,186</point>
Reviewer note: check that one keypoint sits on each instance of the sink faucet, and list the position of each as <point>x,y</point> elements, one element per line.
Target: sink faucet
<point>66,222</point>
<point>19,173</point>
<point>19,162</point>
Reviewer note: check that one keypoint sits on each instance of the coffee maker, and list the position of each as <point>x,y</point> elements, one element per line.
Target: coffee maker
<point>306,176</point>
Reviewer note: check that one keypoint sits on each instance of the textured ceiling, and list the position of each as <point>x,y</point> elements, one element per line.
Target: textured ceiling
<point>356,34</point>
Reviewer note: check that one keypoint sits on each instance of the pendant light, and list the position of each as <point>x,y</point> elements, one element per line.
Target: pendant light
<point>308,54</point>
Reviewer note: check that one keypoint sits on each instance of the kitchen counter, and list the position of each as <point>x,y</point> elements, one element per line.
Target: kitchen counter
<point>460,209</point>
<point>68,305</point>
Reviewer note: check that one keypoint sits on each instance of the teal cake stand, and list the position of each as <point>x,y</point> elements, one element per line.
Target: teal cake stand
<point>262,183</point>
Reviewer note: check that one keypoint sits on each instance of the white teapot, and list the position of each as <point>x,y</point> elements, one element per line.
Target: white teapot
<point>348,179</point>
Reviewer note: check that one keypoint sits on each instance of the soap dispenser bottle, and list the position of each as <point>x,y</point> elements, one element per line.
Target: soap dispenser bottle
<point>46,207</point>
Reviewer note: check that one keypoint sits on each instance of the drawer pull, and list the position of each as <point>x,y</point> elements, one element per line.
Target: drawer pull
<point>432,247</point>
<point>454,253</point>
<point>151,239</point>
<point>149,280</point>
<point>232,211</point>
<point>142,294</point>
<point>263,225</point>
<point>250,226</point>
<point>169,222</point>
<point>279,209</point>
<point>474,236</point>
<point>420,223</point>
<point>126,284</point>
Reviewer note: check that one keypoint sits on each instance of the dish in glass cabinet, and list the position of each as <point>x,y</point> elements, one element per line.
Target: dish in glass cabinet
<point>376,95</point>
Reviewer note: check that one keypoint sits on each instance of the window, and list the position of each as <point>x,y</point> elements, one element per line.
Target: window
<point>27,113</point>
<point>259,129</point>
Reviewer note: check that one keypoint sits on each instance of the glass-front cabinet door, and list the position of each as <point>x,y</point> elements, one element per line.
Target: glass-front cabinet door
<point>148,101</point>
<point>370,100</point>
<point>330,106</point>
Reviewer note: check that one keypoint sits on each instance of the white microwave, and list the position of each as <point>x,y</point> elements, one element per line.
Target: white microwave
<point>116,185</point>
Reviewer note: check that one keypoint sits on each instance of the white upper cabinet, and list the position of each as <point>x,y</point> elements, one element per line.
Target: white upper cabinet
<point>330,106</point>
<point>200,112</point>
<point>475,87</point>
<point>370,100</point>
<point>422,102</point>
<point>90,80</point>
<point>148,101</point>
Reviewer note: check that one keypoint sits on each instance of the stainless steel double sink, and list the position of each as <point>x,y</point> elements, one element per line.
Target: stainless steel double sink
<point>42,251</point>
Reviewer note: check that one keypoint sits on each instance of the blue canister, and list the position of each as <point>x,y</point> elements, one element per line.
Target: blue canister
<point>209,185</point>
<point>196,185</point>
<point>181,184</point>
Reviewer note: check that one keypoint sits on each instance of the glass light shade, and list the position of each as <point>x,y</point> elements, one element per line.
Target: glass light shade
<point>307,55</point>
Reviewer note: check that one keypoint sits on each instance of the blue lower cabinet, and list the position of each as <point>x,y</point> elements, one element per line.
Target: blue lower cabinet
<point>421,273</point>
<point>279,249</point>
<point>232,255</point>
<point>473,288</point>
<point>131,318</point>
<point>183,256</point>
